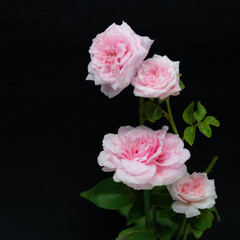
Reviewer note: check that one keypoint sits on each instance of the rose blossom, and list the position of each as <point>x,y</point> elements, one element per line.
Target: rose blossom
<point>192,192</point>
<point>157,77</point>
<point>115,56</point>
<point>143,158</point>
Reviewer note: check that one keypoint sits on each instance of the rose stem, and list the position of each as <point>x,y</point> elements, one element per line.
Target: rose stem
<point>147,208</point>
<point>176,132</point>
<point>154,213</point>
<point>146,194</point>
<point>211,164</point>
<point>141,102</point>
<point>171,116</point>
<point>186,232</point>
<point>178,231</point>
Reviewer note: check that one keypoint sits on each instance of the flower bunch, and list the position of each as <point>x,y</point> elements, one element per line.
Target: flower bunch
<point>151,186</point>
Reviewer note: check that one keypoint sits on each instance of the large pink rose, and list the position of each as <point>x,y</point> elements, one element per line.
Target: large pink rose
<point>143,158</point>
<point>157,77</point>
<point>193,192</point>
<point>115,56</point>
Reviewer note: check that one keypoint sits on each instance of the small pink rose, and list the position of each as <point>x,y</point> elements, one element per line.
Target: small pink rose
<point>192,192</point>
<point>115,56</point>
<point>157,77</point>
<point>142,158</point>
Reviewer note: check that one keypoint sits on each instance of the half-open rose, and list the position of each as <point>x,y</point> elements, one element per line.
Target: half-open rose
<point>192,192</point>
<point>157,77</point>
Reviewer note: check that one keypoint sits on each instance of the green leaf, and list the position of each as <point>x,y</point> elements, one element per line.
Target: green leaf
<point>160,197</point>
<point>164,232</point>
<point>207,217</point>
<point>154,112</point>
<point>143,110</point>
<point>181,84</point>
<point>197,223</point>
<point>200,113</point>
<point>167,222</point>
<point>125,237</point>
<point>137,210</point>
<point>109,195</point>
<point>140,223</point>
<point>209,213</point>
<point>189,134</point>
<point>135,234</point>
<point>176,219</point>
<point>143,236</point>
<point>214,209</point>
<point>125,210</point>
<point>205,129</point>
<point>166,212</point>
<point>212,121</point>
<point>128,231</point>
<point>188,114</point>
<point>197,234</point>
<point>150,111</point>
<point>201,222</point>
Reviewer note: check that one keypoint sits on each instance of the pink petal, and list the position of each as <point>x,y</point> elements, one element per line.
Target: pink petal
<point>165,176</point>
<point>179,207</point>
<point>192,212</point>
<point>205,203</point>
<point>132,176</point>
<point>105,160</point>
<point>109,91</point>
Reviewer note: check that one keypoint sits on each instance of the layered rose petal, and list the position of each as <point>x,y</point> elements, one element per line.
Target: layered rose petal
<point>116,55</point>
<point>173,154</point>
<point>109,161</point>
<point>166,176</point>
<point>208,202</point>
<point>194,192</point>
<point>141,157</point>
<point>135,174</point>
<point>157,77</point>
<point>186,208</point>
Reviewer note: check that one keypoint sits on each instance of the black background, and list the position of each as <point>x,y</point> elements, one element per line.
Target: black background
<point>53,121</point>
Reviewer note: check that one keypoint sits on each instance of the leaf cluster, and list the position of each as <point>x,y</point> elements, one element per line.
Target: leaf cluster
<point>150,111</point>
<point>130,203</point>
<point>197,119</point>
<point>202,222</point>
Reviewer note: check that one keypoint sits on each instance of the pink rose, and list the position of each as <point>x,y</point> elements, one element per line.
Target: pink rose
<point>157,77</point>
<point>115,56</point>
<point>143,158</point>
<point>192,192</point>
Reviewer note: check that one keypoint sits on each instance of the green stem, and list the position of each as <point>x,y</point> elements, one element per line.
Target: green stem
<point>171,116</point>
<point>146,197</point>
<point>146,193</point>
<point>131,193</point>
<point>186,232</point>
<point>154,216</point>
<point>178,232</point>
<point>141,102</point>
<point>211,164</point>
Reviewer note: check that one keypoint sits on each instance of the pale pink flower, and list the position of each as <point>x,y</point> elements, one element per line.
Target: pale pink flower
<point>115,56</point>
<point>142,158</point>
<point>192,192</point>
<point>157,77</point>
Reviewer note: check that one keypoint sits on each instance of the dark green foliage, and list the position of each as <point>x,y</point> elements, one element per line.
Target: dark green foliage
<point>109,195</point>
